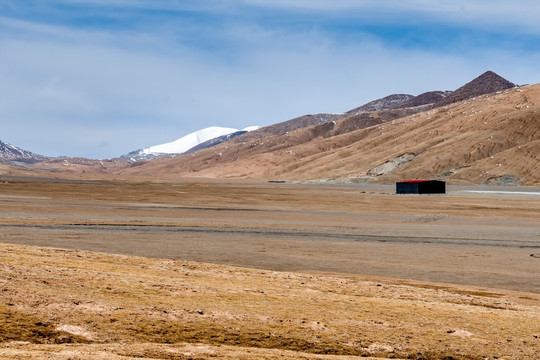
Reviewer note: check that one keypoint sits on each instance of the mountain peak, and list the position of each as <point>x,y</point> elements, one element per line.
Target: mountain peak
<point>487,83</point>
<point>491,81</point>
<point>11,152</point>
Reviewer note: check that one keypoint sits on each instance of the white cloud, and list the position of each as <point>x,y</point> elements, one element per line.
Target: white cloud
<point>68,90</point>
<point>520,14</point>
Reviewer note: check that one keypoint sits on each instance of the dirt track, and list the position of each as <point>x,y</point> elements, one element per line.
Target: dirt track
<point>463,238</point>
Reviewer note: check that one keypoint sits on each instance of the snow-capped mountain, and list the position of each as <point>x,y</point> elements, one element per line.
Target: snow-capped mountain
<point>185,143</point>
<point>11,152</point>
<point>218,140</point>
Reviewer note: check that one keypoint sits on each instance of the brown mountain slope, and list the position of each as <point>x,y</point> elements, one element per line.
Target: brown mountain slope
<point>361,114</point>
<point>253,146</point>
<point>487,83</point>
<point>486,139</point>
<point>479,140</point>
<point>289,125</point>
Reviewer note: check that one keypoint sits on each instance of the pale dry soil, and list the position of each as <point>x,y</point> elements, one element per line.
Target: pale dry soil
<point>250,270</point>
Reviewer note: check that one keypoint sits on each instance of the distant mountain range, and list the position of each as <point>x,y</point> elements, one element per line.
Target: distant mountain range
<point>13,153</point>
<point>373,142</point>
<point>488,139</point>
<point>488,82</point>
<point>389,108</point>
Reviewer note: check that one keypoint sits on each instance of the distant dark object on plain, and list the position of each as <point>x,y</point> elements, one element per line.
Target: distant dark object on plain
<point>421,187</point>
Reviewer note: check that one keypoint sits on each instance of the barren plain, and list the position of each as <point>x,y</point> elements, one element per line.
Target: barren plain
<point>237,269</point>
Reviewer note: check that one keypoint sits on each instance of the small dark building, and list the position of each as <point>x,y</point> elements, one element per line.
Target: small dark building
<point>421,187</point>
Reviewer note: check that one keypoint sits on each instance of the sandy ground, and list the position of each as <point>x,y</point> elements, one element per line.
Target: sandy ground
<point>463,237</point>
<point>344,271</point>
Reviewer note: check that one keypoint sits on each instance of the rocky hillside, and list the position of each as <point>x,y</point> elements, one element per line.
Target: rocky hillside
<point>379,110</point>
<point>427,98</point>
<point>388,102</point>
<point>489,139</point>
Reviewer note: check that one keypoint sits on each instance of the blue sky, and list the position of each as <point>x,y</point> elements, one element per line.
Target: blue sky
<point>101,78</point>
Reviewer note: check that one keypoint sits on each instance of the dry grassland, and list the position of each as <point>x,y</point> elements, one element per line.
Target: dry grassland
<point>93,305</point>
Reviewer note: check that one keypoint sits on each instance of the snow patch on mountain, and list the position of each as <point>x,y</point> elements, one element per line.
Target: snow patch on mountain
<point>187,142</point>
<point>250,128</point>
<point>11,152</point>
<point>183,144</point>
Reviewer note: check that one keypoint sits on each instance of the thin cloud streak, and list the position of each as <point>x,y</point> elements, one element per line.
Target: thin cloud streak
<point>487,14</point>
<point>469,12</point>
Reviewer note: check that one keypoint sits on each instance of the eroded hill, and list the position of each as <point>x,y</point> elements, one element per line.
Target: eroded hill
<point>488,139</point>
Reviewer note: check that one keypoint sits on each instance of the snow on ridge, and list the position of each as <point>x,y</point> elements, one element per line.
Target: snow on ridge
<point>251,128</point>
<point>187,142</point>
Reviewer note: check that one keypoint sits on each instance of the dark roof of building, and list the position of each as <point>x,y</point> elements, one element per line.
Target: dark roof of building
<point>414,181</point>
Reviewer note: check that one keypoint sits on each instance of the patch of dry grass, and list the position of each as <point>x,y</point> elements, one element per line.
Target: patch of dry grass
<point>16,325</point>
<point>133,307</point>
